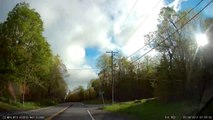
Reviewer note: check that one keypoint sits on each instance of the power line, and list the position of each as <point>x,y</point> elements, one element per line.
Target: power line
<point>137,50</point>
<point>167,29</point>
<point>189,11</point>
<point>145,18</point>
<point>177,29</point>
<point>129,13</point>
<point>140,48</point>
<point>140,22</point>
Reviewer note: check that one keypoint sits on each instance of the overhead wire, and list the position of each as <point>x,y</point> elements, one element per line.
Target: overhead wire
<point>140,22</point>
<point>145,18</point>
<point>129,13</point>
<point>167,29</point>
<point>176,30</point>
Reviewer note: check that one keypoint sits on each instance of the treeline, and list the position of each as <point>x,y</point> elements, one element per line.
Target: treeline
<point>81,94</point>
<point>181,69</point>
<point>28,69</point>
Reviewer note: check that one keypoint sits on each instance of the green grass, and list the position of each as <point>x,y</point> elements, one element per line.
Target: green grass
<point>7,107</point>
<point>19,106</point>
<point>28,105</point>
<point>151,109</point>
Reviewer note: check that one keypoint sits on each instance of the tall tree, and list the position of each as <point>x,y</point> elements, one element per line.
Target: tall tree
<point>178,49</point>
<point>26,58</point>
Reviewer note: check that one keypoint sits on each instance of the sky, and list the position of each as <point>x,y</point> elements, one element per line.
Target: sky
<point>79,31</point>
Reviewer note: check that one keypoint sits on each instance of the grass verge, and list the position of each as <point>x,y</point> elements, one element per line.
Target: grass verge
<point>21,107</point>
<point>7,107</point>
<point>152,109</point>
<point>18,106</point>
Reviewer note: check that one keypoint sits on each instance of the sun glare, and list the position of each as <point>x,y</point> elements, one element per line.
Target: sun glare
<point>201,39</point>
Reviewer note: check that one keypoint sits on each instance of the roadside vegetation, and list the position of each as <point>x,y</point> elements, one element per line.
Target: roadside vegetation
<point>19,106</point>
<point>30,75</point>
<point>153,109</point>
<point>178,73</point>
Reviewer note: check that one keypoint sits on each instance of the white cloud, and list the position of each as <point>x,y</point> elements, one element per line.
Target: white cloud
<point>73,25</point>
<point>176,4</point>
<point>81,76</point>
<point>75,56</point>
<point>141,21</point>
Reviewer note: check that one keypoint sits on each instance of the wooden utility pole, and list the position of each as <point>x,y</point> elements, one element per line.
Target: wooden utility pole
<point>112,72</point>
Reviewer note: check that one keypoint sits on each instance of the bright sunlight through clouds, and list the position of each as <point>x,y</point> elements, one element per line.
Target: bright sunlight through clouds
<point>73,26</point>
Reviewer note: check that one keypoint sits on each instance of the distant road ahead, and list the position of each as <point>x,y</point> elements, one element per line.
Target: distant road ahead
<point>67,111</point>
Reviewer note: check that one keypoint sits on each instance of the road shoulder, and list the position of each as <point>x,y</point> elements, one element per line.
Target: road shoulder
<point>99,114</point>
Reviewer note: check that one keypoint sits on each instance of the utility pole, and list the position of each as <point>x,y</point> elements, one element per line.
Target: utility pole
<point>112,72</point>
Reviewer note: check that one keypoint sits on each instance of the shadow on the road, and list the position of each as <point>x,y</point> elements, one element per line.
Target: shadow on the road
<point>103,115</point>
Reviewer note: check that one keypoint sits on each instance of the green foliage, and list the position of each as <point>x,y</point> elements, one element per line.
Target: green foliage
<point>27,63</point>
<point>81,94</point>
<point>180,71</point>
<point>7,107</point>
<point>152,109</point>
<point>130,79</point>
<point>180,68</point>
<point>18,106</point>
<point>103,61</point>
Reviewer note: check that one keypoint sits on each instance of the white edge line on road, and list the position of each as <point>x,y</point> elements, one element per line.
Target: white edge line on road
<point>90,115</point>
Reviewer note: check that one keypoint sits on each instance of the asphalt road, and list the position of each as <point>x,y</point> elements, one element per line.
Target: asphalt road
<point>66,111</point>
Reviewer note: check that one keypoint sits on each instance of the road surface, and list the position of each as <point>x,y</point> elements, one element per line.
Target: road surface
<point>66,111</point>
